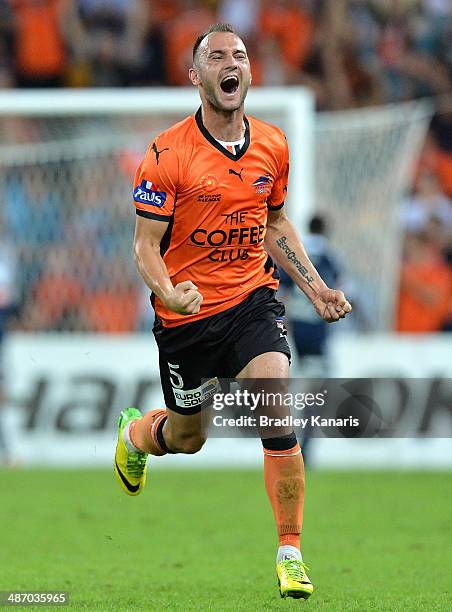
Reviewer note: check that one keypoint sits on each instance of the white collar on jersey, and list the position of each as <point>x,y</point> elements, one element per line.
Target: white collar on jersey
<point>235,143</point>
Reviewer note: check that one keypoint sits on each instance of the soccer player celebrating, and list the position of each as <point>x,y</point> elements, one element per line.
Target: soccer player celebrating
<point>209,199</point>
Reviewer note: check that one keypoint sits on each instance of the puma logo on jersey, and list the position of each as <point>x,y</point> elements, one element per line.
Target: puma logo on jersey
<point>239,174</point>
<point>157,152</point>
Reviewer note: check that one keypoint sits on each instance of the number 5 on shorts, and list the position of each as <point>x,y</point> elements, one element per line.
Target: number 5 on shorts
<point>175,377</point>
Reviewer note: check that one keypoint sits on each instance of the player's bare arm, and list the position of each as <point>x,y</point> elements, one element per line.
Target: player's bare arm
<point>286,248</point>
<point>184,298</point>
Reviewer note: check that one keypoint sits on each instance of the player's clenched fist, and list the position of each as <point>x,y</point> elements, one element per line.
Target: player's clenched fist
<point>331,305</point>
<point>184,299</point>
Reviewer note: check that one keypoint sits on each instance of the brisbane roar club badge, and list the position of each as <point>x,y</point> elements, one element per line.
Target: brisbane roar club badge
<point>263,184</point>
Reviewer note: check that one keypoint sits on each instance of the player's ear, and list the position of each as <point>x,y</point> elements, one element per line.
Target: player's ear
<point>193,76</point>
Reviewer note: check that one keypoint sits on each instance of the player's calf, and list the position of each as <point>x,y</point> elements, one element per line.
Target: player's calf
<point>284,481</point>
<point>162,431</point>
<point>188,443</point>
<point>146,433</point>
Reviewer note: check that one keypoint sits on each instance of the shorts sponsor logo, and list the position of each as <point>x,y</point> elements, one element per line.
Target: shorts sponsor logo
<point>148,193</point>
<point>187,398</point>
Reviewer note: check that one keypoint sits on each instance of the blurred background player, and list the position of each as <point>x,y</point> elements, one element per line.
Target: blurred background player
<point>7,308</point>
<point>309,333</point>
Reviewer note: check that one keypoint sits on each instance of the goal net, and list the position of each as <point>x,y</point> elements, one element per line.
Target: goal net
<point>67,161</point>
<point>364,165</point>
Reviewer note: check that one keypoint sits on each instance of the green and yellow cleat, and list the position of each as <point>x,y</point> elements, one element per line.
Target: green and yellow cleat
<point>130,468</point>
<point>293,580</point>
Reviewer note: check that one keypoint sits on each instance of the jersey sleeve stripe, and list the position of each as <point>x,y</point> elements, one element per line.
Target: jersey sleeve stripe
<point>149,215</point>
<point>278,207</point>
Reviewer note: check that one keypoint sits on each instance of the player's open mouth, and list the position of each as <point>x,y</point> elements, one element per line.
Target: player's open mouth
<point>230,84</point>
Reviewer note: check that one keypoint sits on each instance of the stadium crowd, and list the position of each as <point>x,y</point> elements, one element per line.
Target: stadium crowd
<point>351,53</point>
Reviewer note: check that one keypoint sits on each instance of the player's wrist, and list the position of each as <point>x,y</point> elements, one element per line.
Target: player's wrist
<point>165,293</point>
<point>315,290</point>
<point>168,298</point>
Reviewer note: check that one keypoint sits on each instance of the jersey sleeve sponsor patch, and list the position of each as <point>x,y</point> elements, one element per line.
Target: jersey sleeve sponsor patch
<point>149,194</point>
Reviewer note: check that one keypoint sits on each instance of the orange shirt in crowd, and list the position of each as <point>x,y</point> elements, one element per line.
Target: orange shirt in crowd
<point>54,296</point>
<point>292,28</point>
<point>437,162</point>
<point>443,170</point>
<point>111,311</point>
<point>40,49</point>
<point>180,36</point>
<point>425,292</point>
<point>162,10</point>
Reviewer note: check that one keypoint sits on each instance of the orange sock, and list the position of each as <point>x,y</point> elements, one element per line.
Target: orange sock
<point>146,433</point>
<point>284,481</point>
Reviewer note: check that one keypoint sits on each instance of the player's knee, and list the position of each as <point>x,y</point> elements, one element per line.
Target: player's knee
<point>189,444</point>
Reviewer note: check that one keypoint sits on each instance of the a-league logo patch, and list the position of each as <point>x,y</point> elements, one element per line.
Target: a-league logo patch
<point>208,182</point>
<point>148,193</point>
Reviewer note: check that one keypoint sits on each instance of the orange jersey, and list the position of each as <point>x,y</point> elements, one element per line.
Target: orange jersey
<point>40,47</point>
<point>216,204</point>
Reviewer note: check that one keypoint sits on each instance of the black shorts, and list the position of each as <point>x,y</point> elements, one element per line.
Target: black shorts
<point>217,346</point>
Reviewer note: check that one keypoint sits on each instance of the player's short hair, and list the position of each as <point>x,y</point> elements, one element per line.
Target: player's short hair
<point>216,27</point>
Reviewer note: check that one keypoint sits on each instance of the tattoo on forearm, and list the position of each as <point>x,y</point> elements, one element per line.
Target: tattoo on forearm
<point>291,256</point>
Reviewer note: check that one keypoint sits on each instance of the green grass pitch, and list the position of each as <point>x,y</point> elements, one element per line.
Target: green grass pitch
<point>205,540</point>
